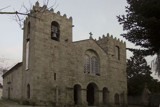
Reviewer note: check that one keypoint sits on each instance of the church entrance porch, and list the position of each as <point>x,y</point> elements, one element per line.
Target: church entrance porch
<point>92,94</point>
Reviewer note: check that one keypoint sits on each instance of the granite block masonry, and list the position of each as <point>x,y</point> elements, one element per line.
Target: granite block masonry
<point>59,72</point>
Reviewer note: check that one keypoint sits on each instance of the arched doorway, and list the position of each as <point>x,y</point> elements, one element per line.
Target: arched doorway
<point>77,94</point>
<point>92,94</point>
<point>116,98</point>
<point>105,96</point>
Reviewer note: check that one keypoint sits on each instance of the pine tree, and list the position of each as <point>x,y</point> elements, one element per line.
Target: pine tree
<point>142,23</point>
<point>138,76</point>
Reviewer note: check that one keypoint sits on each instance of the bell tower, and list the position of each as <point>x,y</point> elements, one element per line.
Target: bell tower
<point>46,34</point>
<point>50,25</point>
<point>44,26</point>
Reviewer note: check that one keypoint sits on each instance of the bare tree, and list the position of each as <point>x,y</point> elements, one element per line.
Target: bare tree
<point>20,15</point>
<point>4,64</point>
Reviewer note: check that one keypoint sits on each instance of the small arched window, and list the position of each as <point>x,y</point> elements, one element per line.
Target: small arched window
<point>28,91</point>
<point>86,64</point>
<point>105,95</point>
<point>122,99</point>
<point>9,89</point>
<point>55,31</point>
<point>118,52</point>
<point>94,62</point>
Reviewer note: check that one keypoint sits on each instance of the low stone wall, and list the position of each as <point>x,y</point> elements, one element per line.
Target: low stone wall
<point>155,100</point>
<point>134,100</point>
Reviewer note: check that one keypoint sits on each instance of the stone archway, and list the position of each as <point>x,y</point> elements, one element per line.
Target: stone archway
<point>77,94</point>
<point>116,98</point>
<point>105,95</point>
<point>92,94</point>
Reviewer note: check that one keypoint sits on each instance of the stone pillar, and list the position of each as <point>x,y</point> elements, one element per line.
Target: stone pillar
<point>100,92</point>
<point>84,97</point>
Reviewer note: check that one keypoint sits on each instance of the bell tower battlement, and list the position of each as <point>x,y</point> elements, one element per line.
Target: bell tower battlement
<point>44,30</point>
<point>112,46</point>
<point>49,24</point>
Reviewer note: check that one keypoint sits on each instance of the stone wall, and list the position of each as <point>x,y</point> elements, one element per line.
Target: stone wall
<point>12,81</point>
<point>56,68</point>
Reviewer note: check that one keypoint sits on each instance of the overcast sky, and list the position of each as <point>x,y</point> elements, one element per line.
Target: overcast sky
<point>96,16</point>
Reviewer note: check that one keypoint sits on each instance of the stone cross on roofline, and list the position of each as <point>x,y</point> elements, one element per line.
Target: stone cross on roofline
<point>90,35</point>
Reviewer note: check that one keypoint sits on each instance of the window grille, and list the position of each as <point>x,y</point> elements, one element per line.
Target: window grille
<point>86,64</point>
<point>94,65</point>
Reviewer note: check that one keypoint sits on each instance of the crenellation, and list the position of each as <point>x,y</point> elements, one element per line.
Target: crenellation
<point>111,36</point>
<point>58,13</point>
<point>36,7</point>
<point>44,7</point>
<point>115,39</point>
<point>107,34</point>
<point>54,59</point>
<point>70,18</point>
<point>37,4</point>
<point>65,16</point>
<point>43,10</point>
<point>51,10</point>
<point>103,36</point>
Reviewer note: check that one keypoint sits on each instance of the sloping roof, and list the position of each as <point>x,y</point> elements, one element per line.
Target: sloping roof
<point>93,41</point>
<point>12,69</point>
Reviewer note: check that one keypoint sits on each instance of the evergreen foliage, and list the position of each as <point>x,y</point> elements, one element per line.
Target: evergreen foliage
<point>142,23</point>
<point>138,76</point>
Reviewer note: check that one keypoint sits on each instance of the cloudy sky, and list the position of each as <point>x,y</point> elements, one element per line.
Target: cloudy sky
<point>96,16</point>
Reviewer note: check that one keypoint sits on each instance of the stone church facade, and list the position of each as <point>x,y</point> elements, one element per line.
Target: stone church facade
<point>56,71</point>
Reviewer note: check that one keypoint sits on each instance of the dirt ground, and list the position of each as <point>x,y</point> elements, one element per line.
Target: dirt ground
<point>8,103</point>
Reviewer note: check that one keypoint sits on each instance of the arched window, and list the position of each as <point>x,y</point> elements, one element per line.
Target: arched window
<point>55,31</point>
<point>91,62</point>
<point>116,98</point>
<point>105,96</point>
<point>86,64</point>
<point>28,91</point>
<point>122,99</point>
<point>118,52</point>
<point>94,62</point>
